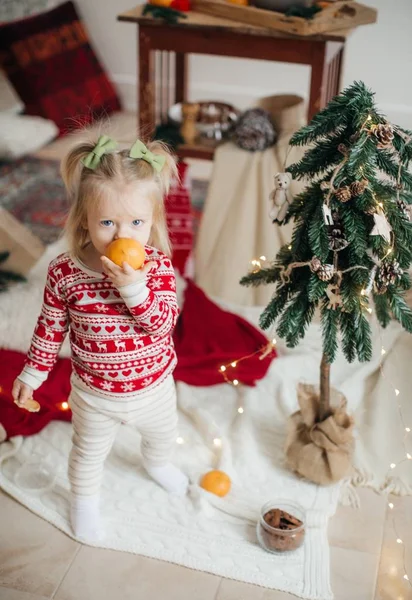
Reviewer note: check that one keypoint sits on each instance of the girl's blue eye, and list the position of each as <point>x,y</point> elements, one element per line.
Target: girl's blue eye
<point>137,222</point>
<point>106,223</point>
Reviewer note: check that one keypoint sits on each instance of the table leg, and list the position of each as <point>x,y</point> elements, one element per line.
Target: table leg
<point>146,85</point>
<point>181,77</point>
<point>317,80</point>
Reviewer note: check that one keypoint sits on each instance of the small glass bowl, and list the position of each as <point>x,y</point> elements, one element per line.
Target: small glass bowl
<point>277,539</point>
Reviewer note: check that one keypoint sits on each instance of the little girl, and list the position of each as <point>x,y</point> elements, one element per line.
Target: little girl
<point>120,319</point>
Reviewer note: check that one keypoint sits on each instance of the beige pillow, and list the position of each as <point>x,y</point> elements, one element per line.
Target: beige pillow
<point>23,134</point>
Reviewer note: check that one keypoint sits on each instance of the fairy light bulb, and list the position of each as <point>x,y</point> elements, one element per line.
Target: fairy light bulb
<point>408,456</point>
<point>274,341</point>
<point>406,577</point>
<point>262,257</point>
<point>235,382</point>
<point>399,541</point>
<point>390,505</point>
<point>393,465</point>
<point>180,440</point>
<point>363,292</point>
<point>383,351</point>
<point>397,392</point>
<point>240,410</point>
<point>65,405</point>
<point>233,364</point>
<point>369,310</point>
<point>369,118</point>
<point>222,369</point>
<point>217,442</point>
<point>407,429</point>
<point>289,247</point>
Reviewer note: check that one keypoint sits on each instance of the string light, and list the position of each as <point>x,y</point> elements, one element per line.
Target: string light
<point>393,465</point>
<point>383,351</point>
<point>262,258</point>
<point>65,405</point>
<point>369,310</point>
<point>289,247</point>
<point>217,442</point>
<point>408,456</point>
<point>399,541</point>
<point>397,392</point>
<point>180,440</point>
<point>406,577</point>
<point>264,351</point>
<point>240,410</point>
<point>390,505</point>
<point>407,429</point>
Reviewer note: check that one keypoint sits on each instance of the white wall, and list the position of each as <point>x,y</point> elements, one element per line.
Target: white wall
<point>380,55</point>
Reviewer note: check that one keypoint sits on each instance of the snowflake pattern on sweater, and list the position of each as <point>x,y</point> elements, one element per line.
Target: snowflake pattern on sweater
<point>118,348</point>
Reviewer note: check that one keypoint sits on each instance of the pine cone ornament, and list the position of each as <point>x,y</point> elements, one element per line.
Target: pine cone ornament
<point>254,130</point>
<point>336,236</point>
<point>325,272</point>
<point>390,272</point>
<point>384,134</point>
<point>358,187</point>
<point>343,194</point>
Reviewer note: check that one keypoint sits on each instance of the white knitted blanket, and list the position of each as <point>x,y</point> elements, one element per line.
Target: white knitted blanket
<point>200,531</point>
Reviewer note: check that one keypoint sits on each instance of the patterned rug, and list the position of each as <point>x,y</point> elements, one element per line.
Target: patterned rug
<point>32,190</point>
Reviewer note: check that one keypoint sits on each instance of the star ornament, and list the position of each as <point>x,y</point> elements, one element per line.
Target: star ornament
<point>382,226</point>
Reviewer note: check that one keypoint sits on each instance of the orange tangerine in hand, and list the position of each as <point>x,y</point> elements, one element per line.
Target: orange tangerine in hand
<point>126,250</point>
<point>216,482</point>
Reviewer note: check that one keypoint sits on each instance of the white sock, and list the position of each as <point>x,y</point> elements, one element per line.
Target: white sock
<point>85,517</point>
<point>169,477</point>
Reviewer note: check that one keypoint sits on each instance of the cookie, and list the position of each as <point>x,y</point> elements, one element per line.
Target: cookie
<point>31,405</point>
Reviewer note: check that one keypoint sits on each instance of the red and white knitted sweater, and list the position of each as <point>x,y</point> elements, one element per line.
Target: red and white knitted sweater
<point>120,338</point>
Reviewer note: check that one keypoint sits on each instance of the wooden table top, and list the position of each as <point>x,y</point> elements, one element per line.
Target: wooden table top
<point>196,20</point>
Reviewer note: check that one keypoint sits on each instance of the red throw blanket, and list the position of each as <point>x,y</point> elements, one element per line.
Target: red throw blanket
<point>205,337</point>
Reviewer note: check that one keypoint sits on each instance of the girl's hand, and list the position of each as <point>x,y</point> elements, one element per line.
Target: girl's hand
<point>125,275</point>
<point>21,392</point>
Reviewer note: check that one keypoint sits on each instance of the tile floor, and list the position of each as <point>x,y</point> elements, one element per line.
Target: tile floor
<point>38,562</point>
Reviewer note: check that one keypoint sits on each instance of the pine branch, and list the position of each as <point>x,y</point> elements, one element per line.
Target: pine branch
<point>363,336</point>
<point>347,329</point>
<point>382,309</point>
<point>274,308</point>
<point>401,311</point>
<point>318,237</point>
<point>319,158</point>
<point>388,165</point>
<point>262,276</point>
<point>330,320</point>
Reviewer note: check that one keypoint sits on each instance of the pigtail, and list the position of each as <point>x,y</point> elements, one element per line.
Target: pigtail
<point>169,171</point>
<point>71,168</point>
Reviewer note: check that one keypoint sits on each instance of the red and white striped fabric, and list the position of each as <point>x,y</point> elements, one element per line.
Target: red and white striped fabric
<point>120,342</point>
<point>180,219</point>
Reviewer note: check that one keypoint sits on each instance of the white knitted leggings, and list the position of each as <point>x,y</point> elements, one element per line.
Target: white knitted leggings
<point>153,413</point>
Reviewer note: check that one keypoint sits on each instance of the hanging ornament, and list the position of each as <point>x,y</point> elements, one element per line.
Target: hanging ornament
<point>334,296</point>
<point>343,194</point>
<point>382,226</point>
<point>405,209</point>
<point>280,197</point>
<point>324,272</point>
<point>358,187</point>
<point>384,134</point>
<point>336,235</point>
<point>327,214</point>
<point>389,274</point>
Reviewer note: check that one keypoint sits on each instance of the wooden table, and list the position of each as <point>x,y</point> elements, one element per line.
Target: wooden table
<point>163,61</point>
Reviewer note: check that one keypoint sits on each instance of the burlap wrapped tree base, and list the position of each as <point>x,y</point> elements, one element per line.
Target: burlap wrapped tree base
<point>320,451</point>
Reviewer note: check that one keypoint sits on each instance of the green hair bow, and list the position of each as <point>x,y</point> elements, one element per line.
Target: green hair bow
<point>139,150</point>
<point>104,144</point>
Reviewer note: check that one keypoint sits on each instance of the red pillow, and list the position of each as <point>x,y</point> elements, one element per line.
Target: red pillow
<point>49,61</point>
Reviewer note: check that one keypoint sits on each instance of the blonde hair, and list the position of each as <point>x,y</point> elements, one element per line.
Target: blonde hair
<point>85,185</point>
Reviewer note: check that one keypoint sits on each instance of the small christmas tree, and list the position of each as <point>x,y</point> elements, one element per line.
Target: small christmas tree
<point>352,239</point>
